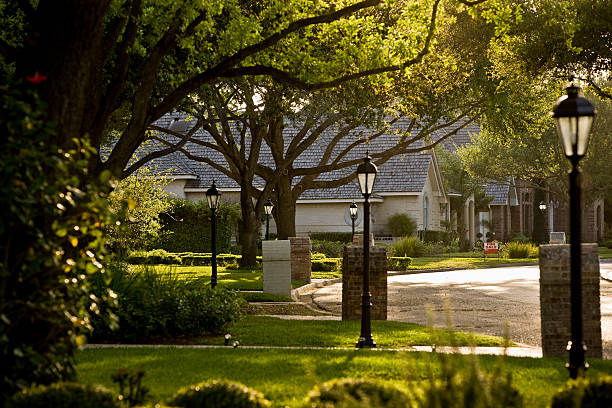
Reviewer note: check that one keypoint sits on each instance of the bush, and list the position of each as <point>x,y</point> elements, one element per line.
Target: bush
<point>348,392</point>
<point>317,255</point>
<point>186,227</point>
<point>607,243</point>
<point>218,394</point>
<point>154,257</point>
<point>331,249</point>
<point>326,265</point>
<point>445,237</point>
<point>521,250</point>
<point>584,393</point>
<point>409,246</point>
<point>344,237</point>
<point>399,263</point>
<point>401,225</point>
<point>162,304</point>
<point>65,395</point>
<point>519,237</point>
<point>458,389</point>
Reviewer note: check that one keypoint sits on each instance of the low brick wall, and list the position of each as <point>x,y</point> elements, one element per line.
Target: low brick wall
<point>358,239</point>
<point>555,301</point>
<point>301,268</point>
<point>352,282</point>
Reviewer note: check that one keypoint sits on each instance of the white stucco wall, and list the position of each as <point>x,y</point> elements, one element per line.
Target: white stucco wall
<point>410,205</point>
<point>323,217</point>
<point>176,188</point>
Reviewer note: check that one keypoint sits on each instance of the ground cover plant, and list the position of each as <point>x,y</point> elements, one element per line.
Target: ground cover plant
<point>285,376</point>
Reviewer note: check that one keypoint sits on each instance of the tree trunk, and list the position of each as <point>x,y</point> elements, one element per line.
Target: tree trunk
<point>285,209</point>
<point>249,229</point>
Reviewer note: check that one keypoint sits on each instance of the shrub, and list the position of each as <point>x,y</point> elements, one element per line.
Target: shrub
<point>401,225</point>
<point>409,246</point>
<point>458,389</point>
<point>218,394</point>
<point>317,255</point>
<point>326,265</point>
<point>607,243</point>
<point>331,249</point>
<point>344,237</point>
<point>186,227</point>
<point>348,392</point>
<point>519,237</point>
<point>154,257</point>
<point>399,263</point>
<point>521,250</point>
<point>65,395</point>
<point>159,304</point>
<point>445,237</point>
<point>584,393</point>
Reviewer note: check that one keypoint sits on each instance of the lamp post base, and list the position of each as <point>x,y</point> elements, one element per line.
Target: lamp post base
<point>365,342</point>
<point>577,365</point>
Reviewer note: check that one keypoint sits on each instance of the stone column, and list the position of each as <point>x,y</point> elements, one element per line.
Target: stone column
<point>555,306</point>
<point>352,282</point>
<point>358,239</point>
<point>301,267</point>
<point>276,267</point>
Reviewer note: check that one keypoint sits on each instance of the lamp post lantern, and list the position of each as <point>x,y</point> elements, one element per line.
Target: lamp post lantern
<point>353,213</point>
<point>574,116</point>
<point>212,196</point>
<point>268,210</point>
<point>366,174</point>
<point>542,207</point>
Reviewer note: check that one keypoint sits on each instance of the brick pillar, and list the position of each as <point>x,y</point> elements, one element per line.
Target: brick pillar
<point>555,307</point>
<point>352,282</point>
<point>358,239</point>
<point>301,268</point>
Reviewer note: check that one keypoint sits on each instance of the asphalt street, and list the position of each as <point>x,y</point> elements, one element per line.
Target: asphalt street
<point>488,301</point>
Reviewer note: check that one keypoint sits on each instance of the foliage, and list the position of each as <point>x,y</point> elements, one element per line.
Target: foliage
<point>344,237</point>
<point>51,241</point>
<point>151,303</point>
<point>445,237</point>
<point>454,388</point>
<point>520,237</point>
<point>131,390</point>
<point>186,227</point>
<point>219,394</point>
<point>409,246</point>
<point>326,265</point>
<point>161,257</point>
<point>140,199</point>
<point>350,393</point>
<point>607,243</point>
<point>331,249</point>
<point>401,225</point>
<point>521,250</point>
<point>584,393</point>
<point>399,263</point>
<point>65,395</point>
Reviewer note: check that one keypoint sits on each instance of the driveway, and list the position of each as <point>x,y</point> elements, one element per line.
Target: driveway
<point>480,300</point>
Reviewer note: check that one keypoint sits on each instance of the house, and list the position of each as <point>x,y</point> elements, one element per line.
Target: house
<point>409,183</point>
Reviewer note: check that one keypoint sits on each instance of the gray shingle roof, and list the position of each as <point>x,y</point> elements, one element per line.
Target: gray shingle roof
<point>402,173</point>
<point>499,192</point>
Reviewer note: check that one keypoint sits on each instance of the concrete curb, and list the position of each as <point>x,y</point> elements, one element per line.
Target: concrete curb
<point>297,292</point>
<point>533,352</point>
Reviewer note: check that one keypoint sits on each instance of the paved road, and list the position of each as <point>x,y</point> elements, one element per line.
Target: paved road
<point>481,300</point>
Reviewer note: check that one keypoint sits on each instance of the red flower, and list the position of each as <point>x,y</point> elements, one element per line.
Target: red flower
<point>37,78</point>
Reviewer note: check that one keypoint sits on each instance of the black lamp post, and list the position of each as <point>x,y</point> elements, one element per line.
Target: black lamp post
<point>574,116</point>
<point>542,207</point>
<point>353,213</point>
<point>268,210</point>
<point>212,195</point>
<point>366,174</point>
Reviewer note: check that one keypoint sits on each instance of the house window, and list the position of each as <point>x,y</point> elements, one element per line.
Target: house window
<point>425,212</point>
<point>443,214</point>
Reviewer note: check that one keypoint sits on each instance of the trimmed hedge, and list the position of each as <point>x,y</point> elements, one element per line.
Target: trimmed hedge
<point>219,394</point>
<point>65,395</point>
<point>348,393</point>
<point>344,237</point>
<point>584,393</point>
<point>446,237</point>
<point>326,265</point>
<point>399,263</point>
<point>331,249</point>
<point>161,257</point>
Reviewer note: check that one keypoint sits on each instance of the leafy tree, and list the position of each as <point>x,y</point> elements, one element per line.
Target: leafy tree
<point>140,199</point>
<point>51,240</point>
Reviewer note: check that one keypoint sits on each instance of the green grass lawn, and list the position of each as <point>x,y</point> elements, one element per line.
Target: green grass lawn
<point>605,252</point>
<point>286,376</point>
<point>272,331</point>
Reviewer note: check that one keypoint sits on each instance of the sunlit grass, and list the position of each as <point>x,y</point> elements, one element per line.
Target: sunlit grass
<point>286,376</point>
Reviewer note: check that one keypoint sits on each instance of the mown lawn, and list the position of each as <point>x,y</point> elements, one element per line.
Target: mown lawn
<point>605,252</point>
<point>272,331</point>
<point>286,376</point>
